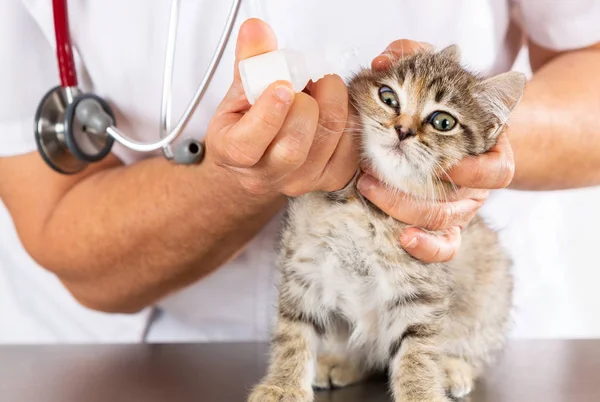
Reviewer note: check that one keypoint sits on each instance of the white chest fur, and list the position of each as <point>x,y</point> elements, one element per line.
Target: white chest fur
<point>345,261</point>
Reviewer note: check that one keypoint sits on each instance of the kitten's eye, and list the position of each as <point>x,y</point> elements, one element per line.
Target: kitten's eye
<point>388,96</point>
<point>442,121</point>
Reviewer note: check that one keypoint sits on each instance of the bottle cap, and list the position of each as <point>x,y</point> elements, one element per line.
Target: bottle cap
<point>260,71</point>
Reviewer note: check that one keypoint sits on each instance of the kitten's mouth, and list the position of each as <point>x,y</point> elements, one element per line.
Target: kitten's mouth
<point>396,149</point>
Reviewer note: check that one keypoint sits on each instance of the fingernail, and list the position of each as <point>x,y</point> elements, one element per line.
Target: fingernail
<point>381,63</point>
<point>412,243</point>
<point>285,94</point>
<point>366,183</point>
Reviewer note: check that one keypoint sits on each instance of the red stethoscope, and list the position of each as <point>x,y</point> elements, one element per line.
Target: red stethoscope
<point>74,129</point>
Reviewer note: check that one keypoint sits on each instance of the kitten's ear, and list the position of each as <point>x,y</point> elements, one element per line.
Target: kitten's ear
<point>452,51</point>
<point>502,94</point>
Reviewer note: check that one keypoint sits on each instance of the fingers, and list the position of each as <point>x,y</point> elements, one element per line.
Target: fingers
<point>458,193</point>
<point>431,248</point>
<point>245,143</point>
<point>296,137</point>
<point>342,166</point>
<point>291,146</point>
<point>332,97</point>
<point>492,170</point>
<point>431,215</point>
<point>255,37</point>
<point>397,50</point>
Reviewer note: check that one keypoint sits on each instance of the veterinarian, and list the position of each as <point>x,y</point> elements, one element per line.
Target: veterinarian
<point>137,248</point>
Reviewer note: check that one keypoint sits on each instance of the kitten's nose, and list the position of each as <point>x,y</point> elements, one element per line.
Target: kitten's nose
<point>404,133</point>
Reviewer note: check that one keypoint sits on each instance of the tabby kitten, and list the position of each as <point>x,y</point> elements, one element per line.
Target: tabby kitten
<point>351,300</point>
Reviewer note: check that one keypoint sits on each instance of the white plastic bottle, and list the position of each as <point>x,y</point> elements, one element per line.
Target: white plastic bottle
<point>298,68</point>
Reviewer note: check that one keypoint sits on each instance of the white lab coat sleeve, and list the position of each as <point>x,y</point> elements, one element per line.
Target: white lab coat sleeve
<point>27,71</point>
<point>561,24</point>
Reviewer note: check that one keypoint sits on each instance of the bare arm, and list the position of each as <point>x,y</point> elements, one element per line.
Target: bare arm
<point>121,237</point>
<point>555,132</point>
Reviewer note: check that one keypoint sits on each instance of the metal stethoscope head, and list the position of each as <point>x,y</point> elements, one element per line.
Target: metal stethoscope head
<point>73,129</point>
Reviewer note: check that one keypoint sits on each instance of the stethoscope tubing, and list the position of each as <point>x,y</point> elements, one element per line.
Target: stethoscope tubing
<point>64,48</point>
<point>68,75</point>
<point>168,72</point>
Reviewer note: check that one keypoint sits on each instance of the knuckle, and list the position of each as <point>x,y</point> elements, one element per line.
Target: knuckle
<point>268,120</point>
<point>290,153</point>
<point>241,157</point>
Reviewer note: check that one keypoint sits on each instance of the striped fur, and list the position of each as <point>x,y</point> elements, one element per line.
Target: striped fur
<point>353,302</point>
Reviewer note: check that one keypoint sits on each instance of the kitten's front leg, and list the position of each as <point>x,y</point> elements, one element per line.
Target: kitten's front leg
<point>292,363</point>
<point>416,371</point>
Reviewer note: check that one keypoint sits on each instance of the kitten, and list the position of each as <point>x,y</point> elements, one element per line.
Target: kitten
<point>351,300</point>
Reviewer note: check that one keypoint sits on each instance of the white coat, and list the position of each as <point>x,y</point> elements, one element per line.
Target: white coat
<point>119,47</point>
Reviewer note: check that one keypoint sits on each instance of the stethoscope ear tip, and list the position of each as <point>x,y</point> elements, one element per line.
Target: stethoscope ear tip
<point>188,152</point>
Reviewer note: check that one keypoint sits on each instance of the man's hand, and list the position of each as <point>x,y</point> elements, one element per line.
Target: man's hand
<point>285,143</point>
<point>474,177</point>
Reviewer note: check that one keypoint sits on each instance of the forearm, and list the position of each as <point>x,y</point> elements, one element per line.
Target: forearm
<point>554,132</point>
<point>125,237</point>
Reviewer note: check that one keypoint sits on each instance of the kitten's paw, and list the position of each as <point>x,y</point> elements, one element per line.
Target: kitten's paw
<point>459,377</point>
<point>334,372</point>
<point>274,393</point>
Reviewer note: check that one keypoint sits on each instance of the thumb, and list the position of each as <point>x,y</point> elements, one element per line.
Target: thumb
<point>254,37</point>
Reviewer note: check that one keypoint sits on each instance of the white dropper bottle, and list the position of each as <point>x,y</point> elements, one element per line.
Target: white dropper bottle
<point>298,68</point>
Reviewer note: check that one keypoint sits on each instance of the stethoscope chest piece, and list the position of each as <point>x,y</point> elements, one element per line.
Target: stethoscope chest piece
<point>74,129</point>
<point>65,144</point>
<point>50,133</point>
